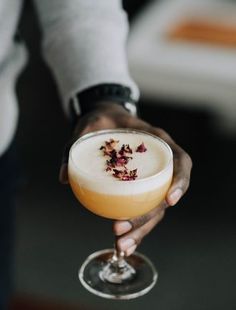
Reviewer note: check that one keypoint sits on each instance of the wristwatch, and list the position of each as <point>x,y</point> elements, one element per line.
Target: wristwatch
<point>86,100</point>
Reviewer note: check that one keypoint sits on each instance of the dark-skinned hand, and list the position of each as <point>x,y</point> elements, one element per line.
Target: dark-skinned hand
<point>108,115</point>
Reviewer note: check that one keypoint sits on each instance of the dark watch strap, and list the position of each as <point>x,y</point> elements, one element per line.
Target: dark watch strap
<point>86,100</point>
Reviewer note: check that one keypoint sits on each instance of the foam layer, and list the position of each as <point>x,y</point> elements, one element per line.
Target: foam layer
<point>87,163</point>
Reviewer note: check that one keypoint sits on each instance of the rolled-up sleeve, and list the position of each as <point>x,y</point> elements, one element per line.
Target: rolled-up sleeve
<point>84,44</point>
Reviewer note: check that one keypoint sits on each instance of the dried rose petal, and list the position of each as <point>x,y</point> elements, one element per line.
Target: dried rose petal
<point>119,159</point>
<point>122,161</point>
<point>109,146</point>
<point>131,176</point>
<point>111,163</point>
<point>141,148</point>
<point>113,154</point>
<point>111,143</point>
<point>118,173</point>
<point>125,175</point>
<point>115,161</point>
<point>133,173</point>
<point>125,149</point>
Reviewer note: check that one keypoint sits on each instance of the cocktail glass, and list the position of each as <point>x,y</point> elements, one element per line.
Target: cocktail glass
<point>108,273</point>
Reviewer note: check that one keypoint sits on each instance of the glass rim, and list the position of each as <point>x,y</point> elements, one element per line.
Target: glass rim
<point>122,130</point>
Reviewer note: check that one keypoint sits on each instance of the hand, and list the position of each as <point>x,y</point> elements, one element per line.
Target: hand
<point>109,116</point>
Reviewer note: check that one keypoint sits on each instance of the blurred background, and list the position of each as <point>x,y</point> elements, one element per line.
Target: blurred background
<point>183,56</point>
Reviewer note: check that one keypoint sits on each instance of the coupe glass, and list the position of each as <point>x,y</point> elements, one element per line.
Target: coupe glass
<point>108,273</point>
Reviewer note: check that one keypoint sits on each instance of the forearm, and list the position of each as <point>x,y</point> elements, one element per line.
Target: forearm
<point>84,43</point>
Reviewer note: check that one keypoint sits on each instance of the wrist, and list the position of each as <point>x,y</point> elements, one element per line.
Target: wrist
<point>105,106</point>
<point>102,96</point>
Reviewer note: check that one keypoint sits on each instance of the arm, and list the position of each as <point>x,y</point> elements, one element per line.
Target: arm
<point>84,45</point>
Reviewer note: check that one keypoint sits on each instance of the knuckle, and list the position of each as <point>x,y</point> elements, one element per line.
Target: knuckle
<point>164,205</point>
<point>162,133</point>
<point>138,239</point>
<point>138,234</point>
<point>188,159</point>
<point>140,221</point>
<point>159,216</point>
<point>185,158</point>
<point>162,212</point>
<point>185,181</point>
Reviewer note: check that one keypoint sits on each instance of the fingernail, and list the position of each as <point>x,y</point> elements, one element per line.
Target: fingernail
<point>123,227</point>
<point>175,196</point>
<point>130,250</point>
<point>127,243</point>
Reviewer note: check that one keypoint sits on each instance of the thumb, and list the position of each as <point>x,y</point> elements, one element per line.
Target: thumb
<point>63,174</point>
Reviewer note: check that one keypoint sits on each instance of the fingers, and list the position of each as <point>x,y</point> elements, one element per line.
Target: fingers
<point>182,168</point>
<point>132,232</point>
<point>182,163</point>
<point>122,227</point>
<point>181,177</point>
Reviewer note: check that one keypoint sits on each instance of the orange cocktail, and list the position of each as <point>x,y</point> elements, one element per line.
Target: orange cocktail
<point>119,206</point>
<point>104,194</point>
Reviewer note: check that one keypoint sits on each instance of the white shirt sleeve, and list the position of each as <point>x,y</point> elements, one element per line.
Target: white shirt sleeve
<point>84,44</point>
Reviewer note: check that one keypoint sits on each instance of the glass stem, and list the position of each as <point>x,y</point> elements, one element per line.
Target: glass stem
<point>117,270</point>
<point>118,258</point>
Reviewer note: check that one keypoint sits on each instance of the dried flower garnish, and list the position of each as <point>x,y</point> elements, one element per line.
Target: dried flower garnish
<point>119,173</point>
<point>109,146</point>
<point>125,149</point>
<point>133,173</point>
<point>117,161</point>
<point>125,175</point>
<point>108,168</point>
<point>122,161</point>
<point>130,176</point>
<point>111,143</point>
<point>141,148</point>
<point>119,158</point>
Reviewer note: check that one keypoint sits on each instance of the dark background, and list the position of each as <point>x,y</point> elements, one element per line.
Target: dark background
<point>193,248</point>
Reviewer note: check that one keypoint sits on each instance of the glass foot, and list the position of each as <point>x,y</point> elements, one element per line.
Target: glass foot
<point>125,279</point>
